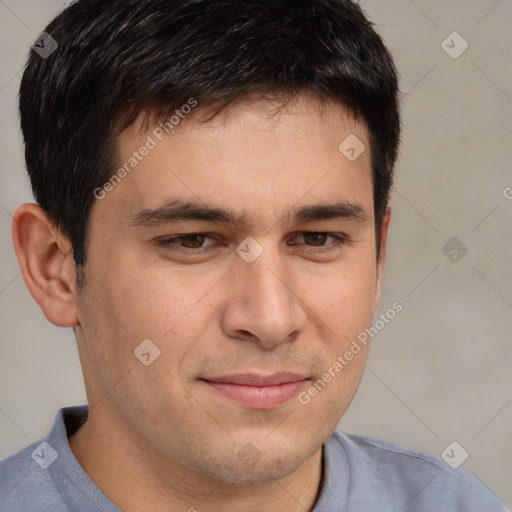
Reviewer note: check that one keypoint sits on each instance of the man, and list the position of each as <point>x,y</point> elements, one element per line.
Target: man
<point>212,182</point>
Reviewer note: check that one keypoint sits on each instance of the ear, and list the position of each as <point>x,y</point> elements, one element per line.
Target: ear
<point>45,257</point>
<point>381,257</point>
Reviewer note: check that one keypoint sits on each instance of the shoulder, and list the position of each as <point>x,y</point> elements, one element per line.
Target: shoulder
<point>37,477</point>
<point>25,485</point>
<point>407,478</point>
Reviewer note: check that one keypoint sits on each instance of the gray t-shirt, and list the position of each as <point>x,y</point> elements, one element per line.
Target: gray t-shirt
<point>361,474</point>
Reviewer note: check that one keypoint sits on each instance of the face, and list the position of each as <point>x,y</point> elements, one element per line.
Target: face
<point>243,248</point>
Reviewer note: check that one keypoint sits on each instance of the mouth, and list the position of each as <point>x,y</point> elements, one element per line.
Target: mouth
<point>257,391</point>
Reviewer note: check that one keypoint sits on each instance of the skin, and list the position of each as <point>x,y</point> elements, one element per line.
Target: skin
<point>159,437</point>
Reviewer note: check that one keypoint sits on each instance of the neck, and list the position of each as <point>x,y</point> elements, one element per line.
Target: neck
<point>136,479</point>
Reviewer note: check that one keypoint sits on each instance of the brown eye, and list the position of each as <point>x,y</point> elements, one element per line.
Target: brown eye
<point>317,239</point>
<point>194,241</point>
<point>189,241</point>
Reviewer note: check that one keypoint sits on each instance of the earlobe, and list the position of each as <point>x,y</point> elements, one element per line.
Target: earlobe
<point>381,257</point>
<point>46,261</point>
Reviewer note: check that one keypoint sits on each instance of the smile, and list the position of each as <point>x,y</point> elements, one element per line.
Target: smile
<point>257,392</point>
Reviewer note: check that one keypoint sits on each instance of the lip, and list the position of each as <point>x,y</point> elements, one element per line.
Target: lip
<point>258,391</point>
<point>253,379</point>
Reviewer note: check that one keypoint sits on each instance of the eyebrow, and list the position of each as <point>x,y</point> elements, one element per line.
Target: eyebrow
<point>175,210</point>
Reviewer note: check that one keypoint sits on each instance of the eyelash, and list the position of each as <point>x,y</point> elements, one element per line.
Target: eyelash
<point>168,243</point>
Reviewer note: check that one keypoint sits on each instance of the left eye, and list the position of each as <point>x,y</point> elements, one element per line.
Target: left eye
<point>316,239</point>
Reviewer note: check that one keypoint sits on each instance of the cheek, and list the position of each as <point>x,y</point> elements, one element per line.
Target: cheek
<point>163,303</point>
<point>344,297</point>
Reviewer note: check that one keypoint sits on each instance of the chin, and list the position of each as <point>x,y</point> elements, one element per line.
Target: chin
<point>262,471</point>
<point>254,466</point>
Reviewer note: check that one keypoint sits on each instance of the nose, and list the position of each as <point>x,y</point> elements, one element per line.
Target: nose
<point>262,305</point>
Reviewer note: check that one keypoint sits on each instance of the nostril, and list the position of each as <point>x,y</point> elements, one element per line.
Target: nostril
<point>293,335</point>
<point>246,334</point>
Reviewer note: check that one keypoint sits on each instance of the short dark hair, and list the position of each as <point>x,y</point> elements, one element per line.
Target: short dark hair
<point>119,58</point>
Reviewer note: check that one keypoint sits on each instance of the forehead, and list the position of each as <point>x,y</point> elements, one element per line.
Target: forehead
<point>257,156</point>
<point>305,111</point>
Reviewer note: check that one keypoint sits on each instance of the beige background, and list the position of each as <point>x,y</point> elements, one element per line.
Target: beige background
<point>441,370</point>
